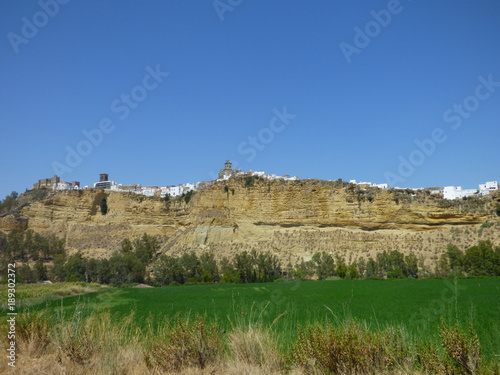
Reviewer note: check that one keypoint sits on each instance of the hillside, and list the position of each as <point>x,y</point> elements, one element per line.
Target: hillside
<point>293,219</point>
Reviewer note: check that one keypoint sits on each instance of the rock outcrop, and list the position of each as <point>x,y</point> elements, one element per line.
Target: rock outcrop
<point>294,219</point>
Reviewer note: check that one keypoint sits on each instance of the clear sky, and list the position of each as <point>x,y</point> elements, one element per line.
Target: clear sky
<point>168,90</point>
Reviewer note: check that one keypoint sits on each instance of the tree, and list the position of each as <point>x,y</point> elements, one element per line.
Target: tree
<point>324,265</point>
<point>58,270</point>
<point>126,269</point>
<point>341,269</point>
<point>146,247</point>
<point>243,265</point>
<point>395,273</point>
<point>229,274</point>
<point>371,268</point>
<point>25,274</point>
<point>397,261</point>
<point>167,201</point>
<point>303,270</point>
<point>104,272</point>
<point>454,257</point>
<point>361,267</point>
<point>411,261</point>
<point>189,195</point>
<point>442,268</point>
<point>40,271</point>
<point>127,246</point>
<point>210,270</point>
<point>167,270</point>
<point>9,202</point>
<point>191,266</point>
<point>92,270</point>
<point>482,260</point>
<point>352,271</point>
<point>75,268</point>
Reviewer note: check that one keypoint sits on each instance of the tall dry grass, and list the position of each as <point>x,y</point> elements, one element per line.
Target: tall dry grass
<point>101,344</point>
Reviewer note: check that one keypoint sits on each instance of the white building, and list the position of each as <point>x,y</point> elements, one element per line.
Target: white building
<point>105,185</point>
<point>136,188</point>
<point>370,184</point>
<point>149,191</point>
<point>490,186</point>
<point>63,185</point>
<point>174,191</point>
<point>456,192</point>
<point>188,187</point>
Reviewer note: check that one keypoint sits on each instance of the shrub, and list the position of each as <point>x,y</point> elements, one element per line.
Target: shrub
<point>463,351</point>
<point>189,195</point>
<point>249,181</point>
<point>190,344</point>
<point>352,349</point>
<point>37,194</point>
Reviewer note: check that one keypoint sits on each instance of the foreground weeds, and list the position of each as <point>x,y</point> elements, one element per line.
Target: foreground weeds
<point>351,349</point>
<point>194,344</point>
<point>102,344</point>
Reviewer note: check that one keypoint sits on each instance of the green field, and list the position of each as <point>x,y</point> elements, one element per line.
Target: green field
<point>414,305</point>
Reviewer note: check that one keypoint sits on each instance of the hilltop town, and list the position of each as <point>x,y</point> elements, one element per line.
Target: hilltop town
<point>55,183</point>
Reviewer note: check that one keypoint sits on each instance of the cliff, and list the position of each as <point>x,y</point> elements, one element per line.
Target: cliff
<point>291,218</point>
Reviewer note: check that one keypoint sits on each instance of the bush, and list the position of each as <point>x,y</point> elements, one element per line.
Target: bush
<point>351,349</point>
<point>189,195</point>
<point>463,351</point>
<point>249,181</point>
<point>196,344</point>
<point>9,202</point>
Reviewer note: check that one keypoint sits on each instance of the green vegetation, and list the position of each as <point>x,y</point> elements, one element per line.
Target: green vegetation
<point>186,197</point>
<point>480,260</point>
<point>249,181</point>
<point>9,202</point>
<point>312,326</point>
<point>104,206</point>
<point>484,225</point>
<point>124,267</point>
<point>189,195</point>
<point>167,200</point>
<point>44,258</point>
<point>39,194</point>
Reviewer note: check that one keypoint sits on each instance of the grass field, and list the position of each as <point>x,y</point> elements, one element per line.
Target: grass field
<point>415,306</point>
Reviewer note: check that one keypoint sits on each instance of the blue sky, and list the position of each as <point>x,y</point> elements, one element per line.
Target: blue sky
<point>231,69</point>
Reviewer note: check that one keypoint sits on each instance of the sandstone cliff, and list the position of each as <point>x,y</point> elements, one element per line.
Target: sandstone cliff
<point>291,218</point>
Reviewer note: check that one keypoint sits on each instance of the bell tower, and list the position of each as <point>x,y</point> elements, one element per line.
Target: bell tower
<point>228,165</point>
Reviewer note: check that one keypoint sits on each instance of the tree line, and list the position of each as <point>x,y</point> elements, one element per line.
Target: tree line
<point>139,261</point>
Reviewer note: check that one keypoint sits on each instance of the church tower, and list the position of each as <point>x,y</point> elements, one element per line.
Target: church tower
<point>228,165</point>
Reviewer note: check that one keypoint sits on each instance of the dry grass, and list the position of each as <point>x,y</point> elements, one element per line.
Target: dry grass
<point>254,348</point>
<point>102,345</point>
<point>351,349</point>
<point>33,294</point>
<point>187,344</point>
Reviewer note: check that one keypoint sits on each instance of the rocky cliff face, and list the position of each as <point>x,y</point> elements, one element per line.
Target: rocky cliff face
<point>291,218</point>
